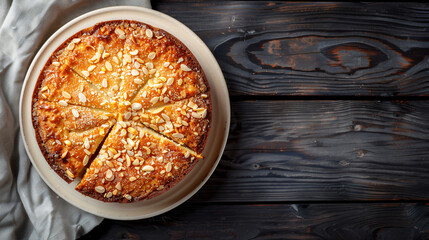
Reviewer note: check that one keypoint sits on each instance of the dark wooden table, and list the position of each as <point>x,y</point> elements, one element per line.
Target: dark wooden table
<point>330,124</point>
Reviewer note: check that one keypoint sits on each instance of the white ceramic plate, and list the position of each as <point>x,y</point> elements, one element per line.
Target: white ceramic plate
<point>215,143</point>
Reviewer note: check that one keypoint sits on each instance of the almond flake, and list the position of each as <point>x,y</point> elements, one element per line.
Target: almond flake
<point>166,64</point>
<point>90,68</point>
<point>66,94</point>
<point>56,64</point>
<point>149,65</point>
<point>187,154</point>
<point>119,31</point>
<point>154,100</point>
<point>180,60</point>
<point>148,168</point>
<point>100,189</point>
<point>135,52</point>
<point>104,83</point>
<point>108,66</point>
<point>145,71</point>
<point>95,58</point>
<point>134,72</point>
<point>132,130</point>
<point>170,81</point>
<point>71,46</point>
<point>136,106</point>
<point>63,103</point>
<point>136,162</point>
<point>112,150</point>
<point>130,153</point>
<point>127,58</point>
<point>118,186</point>
<point>128,197</point>
<point>86,143</point>
<point>127,116</point>
<point>157,110</point>
<point>75,113</point>
<point>85,73</point>
<point>178,135</point>
<point>105,55</point>
<point>196,115</point>
<point>67,142</point>
<point>82,98</point>
<point>122,124</point>
<point>132,179</point>
<point>85,160</point>
<point>149,33</point>
<point>204,113</point>
<point>70,174</point>
<point>130,142</point>
<point>109,175</point>
<point>64,154</point>
<point>116,60</point>
<point>168,167</point>
<point>185,68</point>
<point>166,118</point>
<point>151,55</point>
<point>110,164</point>
<point>158,85</point>
<point>204,95</point>
<point>138,81</point>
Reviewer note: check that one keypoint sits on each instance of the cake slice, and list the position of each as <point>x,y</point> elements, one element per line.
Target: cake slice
<point>186,122</point>
<point>69,135</point>
<point>174,72</point>
<point>96,55</point>
<point>141,60</point>
<point>60,84</point>
<point>172,84</point>
<point>135,163</point>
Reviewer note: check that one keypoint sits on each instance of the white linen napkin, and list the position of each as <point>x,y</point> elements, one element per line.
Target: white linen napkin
<point>29,209</point>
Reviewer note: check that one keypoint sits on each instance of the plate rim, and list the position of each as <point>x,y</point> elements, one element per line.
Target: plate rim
<point>106,12</point>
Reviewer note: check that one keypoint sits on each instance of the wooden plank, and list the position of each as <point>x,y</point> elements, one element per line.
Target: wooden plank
<point>279,221</point>
<point>297,49</point>
<point>323,151</point>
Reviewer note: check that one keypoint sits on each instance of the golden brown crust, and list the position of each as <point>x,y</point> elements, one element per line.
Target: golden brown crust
<point>122,71</point>
<point>62,136</point>
<point>186,121</point>
<point>139,160</point>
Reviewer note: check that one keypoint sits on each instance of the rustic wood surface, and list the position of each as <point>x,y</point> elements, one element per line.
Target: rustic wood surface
<point>277,221</point>
<point>330,124</point>
<point>329,49</point>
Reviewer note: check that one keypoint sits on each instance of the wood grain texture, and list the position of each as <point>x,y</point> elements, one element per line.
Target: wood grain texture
<point>277,221</point>
<point>323,151</point>
<point>329,49</point>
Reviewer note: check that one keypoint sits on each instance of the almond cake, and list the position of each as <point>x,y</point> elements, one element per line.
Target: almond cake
<point>124,108</point>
